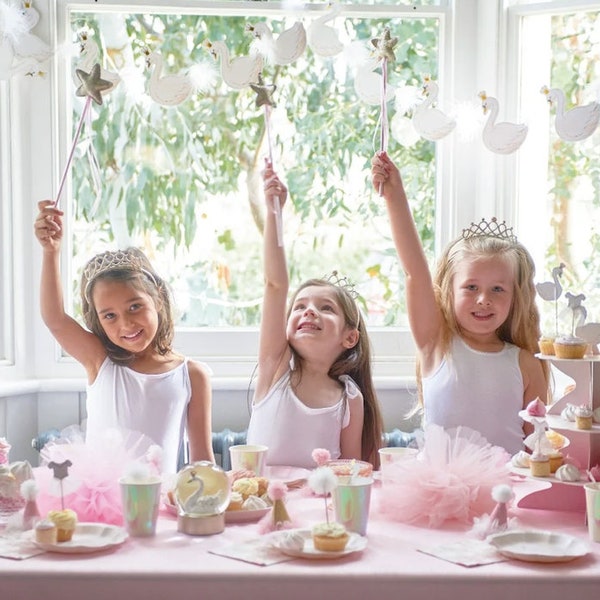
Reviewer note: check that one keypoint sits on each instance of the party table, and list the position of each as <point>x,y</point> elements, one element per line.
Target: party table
<point>178,566</point>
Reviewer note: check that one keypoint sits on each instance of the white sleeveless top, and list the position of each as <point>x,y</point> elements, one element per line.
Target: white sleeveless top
<point>154,404</point>
<point>480,390</point>
<point>291,430</point>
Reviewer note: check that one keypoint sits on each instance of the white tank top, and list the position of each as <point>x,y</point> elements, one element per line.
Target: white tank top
<point>480,390</point>
<point>291,430</point>
<point>153,404</point>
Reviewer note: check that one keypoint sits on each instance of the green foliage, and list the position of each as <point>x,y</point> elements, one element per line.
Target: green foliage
<point>185,179</point>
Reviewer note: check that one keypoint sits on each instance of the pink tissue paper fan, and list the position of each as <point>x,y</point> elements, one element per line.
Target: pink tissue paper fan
<point>92,486</point>
<point>450,479</point>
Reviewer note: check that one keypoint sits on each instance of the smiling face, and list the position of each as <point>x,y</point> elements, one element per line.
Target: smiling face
<point>316,320</point>
<point>483,292</point>
<point>127,315</point>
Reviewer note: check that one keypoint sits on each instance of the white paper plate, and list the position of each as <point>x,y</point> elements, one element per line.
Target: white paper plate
<point>245,516</point>
<point>88,537</point>
<point>539,546</point>
<point>356,543</point>
<point>231,516</point>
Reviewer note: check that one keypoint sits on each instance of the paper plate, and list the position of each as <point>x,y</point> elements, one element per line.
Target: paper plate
<point>356,543</point>
<point>539,546</point>
<point>88,537</point>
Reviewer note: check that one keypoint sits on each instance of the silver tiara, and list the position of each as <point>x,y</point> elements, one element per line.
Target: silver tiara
<point>119,260</point>
<point>490,229</point>
<point>342,282</point>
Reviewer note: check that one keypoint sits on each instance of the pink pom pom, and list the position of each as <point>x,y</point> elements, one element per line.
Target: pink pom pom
<point>277,490</point>
<point>321,456</point>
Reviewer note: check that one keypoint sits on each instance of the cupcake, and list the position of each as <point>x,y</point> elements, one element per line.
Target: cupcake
<point>570,346</point>
<point>65,521</point>
<point>556,460</point>
<point>583,417</point>
<point>329,537</point>
<point>236,501</point>
<point>546,345</point>
<point>539,465</point>
<point>45,532</point>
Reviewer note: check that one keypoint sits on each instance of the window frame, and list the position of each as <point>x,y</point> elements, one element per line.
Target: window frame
<point>464,171</point>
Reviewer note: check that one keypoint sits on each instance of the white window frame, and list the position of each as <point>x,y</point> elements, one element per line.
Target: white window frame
<point>471,182</point>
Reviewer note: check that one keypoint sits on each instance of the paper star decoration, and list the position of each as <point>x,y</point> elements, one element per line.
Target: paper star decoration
<point>264,93</point>
<point>92,84</point>
<point>61,470</point>
<point>385,45</point>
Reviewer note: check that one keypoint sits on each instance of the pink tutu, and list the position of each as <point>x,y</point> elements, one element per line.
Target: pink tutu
<point>91,488</point>
<point>450,479</point>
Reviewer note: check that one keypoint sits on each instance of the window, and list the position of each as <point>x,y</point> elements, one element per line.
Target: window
<point>559,184</point>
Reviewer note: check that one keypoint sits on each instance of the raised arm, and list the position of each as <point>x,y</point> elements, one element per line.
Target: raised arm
<point>424,316</point>
<point>273,350</point>
<point>82,345</point>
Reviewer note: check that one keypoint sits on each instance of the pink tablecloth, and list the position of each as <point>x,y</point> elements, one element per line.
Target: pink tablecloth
<point>173,565</point>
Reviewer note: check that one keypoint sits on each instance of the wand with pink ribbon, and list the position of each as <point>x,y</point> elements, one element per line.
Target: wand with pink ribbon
<point>91,87</point>
<point>384,47</point>
<point>264,97</point>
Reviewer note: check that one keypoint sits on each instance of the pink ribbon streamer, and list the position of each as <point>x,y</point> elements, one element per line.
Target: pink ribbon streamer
<point>63,179</point>
<point>277,201</point>
<point>384,116</point>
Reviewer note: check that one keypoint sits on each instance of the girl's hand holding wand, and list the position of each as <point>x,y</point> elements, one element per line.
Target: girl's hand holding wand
<point>275,196</point>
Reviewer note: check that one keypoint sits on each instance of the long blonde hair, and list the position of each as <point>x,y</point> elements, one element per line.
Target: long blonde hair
<point>522,325</point>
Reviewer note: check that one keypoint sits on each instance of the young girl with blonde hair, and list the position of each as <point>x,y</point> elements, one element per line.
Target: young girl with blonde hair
<point>314,387</point>
<point>475,324</point>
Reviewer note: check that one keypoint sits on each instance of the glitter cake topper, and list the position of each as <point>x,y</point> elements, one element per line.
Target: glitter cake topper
<point>490,229</point>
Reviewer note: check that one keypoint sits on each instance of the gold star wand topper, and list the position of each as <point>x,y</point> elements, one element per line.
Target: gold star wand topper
<point>385,45</point>
<point>264,93</point>
<point>92,84</point>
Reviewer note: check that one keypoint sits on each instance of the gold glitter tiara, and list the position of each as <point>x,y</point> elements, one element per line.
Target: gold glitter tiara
<point>490,229</point>
<point>342,282</point>
<point>119,260</point>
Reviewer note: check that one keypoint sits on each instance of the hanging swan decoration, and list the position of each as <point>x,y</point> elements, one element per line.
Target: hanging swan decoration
<point>501,138</point>
<point>166,90</point>
<point>323,39</point>
<point>286,48</point>
<point>239,72</point>
<point>430,122</point>
<point>89,55</point>
<point>576,124</point>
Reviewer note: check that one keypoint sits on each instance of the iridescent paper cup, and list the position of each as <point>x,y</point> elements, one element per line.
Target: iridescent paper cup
<point>248,457</point>
<point>141,501</point>
<point>351,503</point>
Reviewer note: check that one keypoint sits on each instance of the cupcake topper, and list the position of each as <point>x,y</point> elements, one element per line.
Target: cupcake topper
<point>551,291</point>
<point>61,471</point>
<point>578,311</point>
<point>322,481</point>
<point>321,456</point>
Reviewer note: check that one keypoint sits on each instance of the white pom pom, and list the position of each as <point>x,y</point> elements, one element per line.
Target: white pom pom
<point>502,493</point>
<point>29,489</point>
<point>322,481</point>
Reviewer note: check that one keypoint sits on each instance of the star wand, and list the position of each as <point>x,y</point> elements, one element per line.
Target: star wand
<point>264,97</point>
<point>91,87</point>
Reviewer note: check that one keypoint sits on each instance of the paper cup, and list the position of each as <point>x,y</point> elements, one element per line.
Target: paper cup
<point>592,505</point>
<point>141,502</point>
<point>247,457</point>
<point>351,503</point>
<point>391,456</point>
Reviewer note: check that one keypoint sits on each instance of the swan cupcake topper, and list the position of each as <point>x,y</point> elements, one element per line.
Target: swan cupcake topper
<point>575,124</point>
<point>428,120</point>
<point>504,137</point>
<point>551,291</point>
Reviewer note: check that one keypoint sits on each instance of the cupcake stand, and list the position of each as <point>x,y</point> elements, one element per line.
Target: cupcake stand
<point>584,445</point>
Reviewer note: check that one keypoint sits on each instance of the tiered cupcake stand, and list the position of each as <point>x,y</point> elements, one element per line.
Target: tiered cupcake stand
<point>584,445</point>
